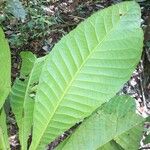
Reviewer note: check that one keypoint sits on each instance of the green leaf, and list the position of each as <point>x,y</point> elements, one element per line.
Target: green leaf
<point>15,7</point>
<point>114,126</point>
<point>5,69</point>
<point>147,140</point>
<point>112,145</point>
<point>23,93</point>
<point>85,69</point>
<point>4,144</point>
<point>131,139</point>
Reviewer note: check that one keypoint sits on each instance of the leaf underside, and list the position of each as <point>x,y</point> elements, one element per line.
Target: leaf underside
<point>114,126</point>
<point>85,69</point>
<point>23,93</point>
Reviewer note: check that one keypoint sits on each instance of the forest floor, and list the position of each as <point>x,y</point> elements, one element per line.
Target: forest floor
<point>45,24</point>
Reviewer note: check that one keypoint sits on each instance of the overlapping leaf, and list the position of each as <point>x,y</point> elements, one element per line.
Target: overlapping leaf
<point>23,93</point>
<point>5,69</point>
<point>85,69</point>
<point>115,126</point>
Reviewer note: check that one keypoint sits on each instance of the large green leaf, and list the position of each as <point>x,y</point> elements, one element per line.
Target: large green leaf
<point>23,93</point>
<point>85,69</point>
<point>5,69</point>
<point>115,126</point>
<point>4,144</point>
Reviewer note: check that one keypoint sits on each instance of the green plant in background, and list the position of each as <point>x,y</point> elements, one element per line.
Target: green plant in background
<point>84,70</point>
<point>28,20</point>
<point>15,7</point>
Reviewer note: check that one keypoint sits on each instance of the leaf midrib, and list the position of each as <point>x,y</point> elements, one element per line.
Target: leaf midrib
<point>67,88</point>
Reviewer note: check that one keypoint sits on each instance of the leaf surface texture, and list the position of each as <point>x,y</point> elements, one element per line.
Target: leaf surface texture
<point>85,69</point>
<point>114,126</point>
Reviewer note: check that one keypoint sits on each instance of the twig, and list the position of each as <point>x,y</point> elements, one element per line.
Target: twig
<point>77,17</point>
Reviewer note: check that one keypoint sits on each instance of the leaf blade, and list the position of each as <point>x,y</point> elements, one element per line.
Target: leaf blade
<point>22,94</point>
<point>5,66</point>
<point>80,73</point>
<point>4,144</point>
